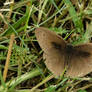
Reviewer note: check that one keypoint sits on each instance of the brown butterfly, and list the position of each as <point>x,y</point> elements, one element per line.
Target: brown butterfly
<point>59,54</point>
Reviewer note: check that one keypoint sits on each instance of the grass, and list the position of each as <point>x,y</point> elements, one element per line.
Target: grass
<point>26,70</point>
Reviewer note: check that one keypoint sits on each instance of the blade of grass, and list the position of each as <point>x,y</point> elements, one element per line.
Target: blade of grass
<point>2,81</point>
<point>13,83</point>
<point>52,88</point>
<point>15,26</point>
<point>41,83</point>
<point>77,21</point>
<point>3,47</point>
<point>40,12</point>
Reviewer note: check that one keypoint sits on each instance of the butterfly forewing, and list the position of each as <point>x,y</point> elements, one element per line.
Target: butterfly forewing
<point>81,61</point>
<point>46,38</point>
<point>84,47</point>
<point>53,55</point>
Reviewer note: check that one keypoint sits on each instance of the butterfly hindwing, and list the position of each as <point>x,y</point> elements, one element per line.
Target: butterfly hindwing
<point>54,61</point>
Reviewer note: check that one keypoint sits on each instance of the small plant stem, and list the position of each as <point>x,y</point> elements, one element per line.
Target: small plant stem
<point>8,57</point>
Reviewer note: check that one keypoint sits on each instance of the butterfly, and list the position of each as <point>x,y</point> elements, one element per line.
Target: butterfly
<point>60,55</point>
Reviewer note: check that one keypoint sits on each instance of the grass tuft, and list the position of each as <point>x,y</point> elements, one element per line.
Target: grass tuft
<point>72,19</point>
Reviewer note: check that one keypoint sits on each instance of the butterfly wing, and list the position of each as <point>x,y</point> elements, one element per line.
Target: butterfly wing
<point>54,55</point>
<point>54,62</point>
<point>81,61</point>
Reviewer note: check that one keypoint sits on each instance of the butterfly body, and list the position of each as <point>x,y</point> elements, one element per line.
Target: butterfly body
<point>69,48</point>
<point>59,54</point>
